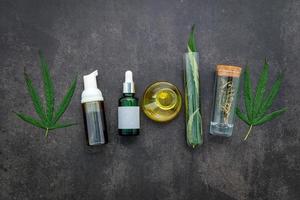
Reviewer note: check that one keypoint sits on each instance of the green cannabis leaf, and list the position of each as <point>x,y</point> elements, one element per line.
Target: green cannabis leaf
<point>257,105</point>
<point>48,115</point>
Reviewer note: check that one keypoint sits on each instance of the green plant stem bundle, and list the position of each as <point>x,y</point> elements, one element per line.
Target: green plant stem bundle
<point>192,94</point>
<point>48,115</point>
<point>258,104</point>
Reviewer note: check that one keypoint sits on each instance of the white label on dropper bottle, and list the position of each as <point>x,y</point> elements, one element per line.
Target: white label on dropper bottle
<point>129,117</point>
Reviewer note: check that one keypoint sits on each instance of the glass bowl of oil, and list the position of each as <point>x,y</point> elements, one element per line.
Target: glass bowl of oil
<point>161,101</point>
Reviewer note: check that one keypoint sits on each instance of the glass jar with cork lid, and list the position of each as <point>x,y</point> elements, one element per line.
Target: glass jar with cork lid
<point>225,95</point>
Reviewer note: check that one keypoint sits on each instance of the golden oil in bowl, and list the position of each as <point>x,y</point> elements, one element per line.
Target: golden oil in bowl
<point>161,101</point>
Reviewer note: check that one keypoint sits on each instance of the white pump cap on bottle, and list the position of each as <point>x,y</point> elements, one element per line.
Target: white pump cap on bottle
<point>128,85</point>
<point>91,91</point>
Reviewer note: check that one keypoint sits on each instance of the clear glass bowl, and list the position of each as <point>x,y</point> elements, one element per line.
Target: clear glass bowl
<point>161,101</point>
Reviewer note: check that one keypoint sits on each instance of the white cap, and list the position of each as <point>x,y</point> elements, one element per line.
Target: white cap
<point>128,85</point>
<point>91,91</point>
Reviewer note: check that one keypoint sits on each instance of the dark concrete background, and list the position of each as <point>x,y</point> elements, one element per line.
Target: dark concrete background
<point>148,37</point>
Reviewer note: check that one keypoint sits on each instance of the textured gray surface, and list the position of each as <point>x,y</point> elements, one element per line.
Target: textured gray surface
<point>148,37</point>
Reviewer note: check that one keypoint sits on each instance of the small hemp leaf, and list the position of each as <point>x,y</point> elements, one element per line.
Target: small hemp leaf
<point>48,114</point>
<point>257,105</point>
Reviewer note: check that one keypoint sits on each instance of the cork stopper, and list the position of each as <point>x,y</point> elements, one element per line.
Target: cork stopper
<point>228,70</point>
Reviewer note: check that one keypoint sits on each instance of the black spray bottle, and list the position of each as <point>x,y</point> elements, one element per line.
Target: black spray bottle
<point>128,110</point>
<point>93,110</point>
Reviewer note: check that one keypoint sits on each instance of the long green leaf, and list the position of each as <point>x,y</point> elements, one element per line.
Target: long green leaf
<point>248,95</point>
<point>192,61</point>
<point>36,100</point>
<point>56,126</point>
<point>192,132</point>
<point>242,116</point>
<point>193,115</point>
<point>271,97</point>
<point>65,102</point>
<point>48,87</point>
<point>192,40</point>
<point>260,89</point>
<point>269,117</point>
<point>31,120</point>
<point>192,94</point>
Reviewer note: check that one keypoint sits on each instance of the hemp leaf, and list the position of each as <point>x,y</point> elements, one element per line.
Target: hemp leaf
<point>48,116</point>
<point>258,105</point>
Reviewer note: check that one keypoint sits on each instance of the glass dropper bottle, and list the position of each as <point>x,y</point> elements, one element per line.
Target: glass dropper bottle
<point>128,110</point>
